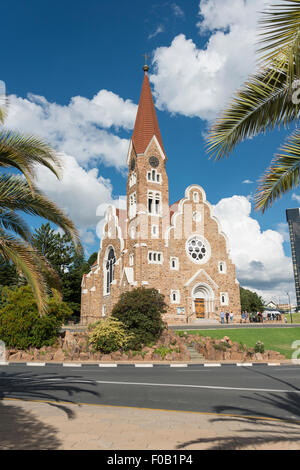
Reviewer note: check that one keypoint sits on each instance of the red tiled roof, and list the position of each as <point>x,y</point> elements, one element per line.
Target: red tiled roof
<point>146,124</point>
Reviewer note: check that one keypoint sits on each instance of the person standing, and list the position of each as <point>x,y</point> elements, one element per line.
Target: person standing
<point>231,317</point>
<point>222,315</point>
<point>227,317</point>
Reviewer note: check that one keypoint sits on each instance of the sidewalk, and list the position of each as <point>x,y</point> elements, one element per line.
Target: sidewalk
<point>63,426</point>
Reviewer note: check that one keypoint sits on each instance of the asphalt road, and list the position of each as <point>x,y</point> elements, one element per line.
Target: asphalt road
<point>260,390</point>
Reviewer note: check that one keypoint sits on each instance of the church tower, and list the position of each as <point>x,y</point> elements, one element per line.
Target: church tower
<point>148,212</point>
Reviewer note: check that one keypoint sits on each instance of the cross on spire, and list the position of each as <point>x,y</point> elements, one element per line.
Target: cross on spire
<point>146,66</point>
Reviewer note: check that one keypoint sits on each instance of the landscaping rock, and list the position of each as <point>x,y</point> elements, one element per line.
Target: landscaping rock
<point>59,355</point>
<point>16,356</point>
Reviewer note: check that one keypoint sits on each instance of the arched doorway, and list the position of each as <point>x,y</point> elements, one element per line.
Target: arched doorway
<point>203,300</point>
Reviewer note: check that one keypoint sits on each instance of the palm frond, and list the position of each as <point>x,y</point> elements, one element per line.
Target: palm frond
<point>280,36</point>
<point>10,220</point>
<point>25,152</point>
<point>15,194</point>
<point>263,103</point>
<point>2,111</point>
<point>50,275</point>
<point>282,175</point>
<point>3,103</point>
<point>26,261</point>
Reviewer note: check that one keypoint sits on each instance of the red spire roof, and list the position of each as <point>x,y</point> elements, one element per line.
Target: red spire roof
<point>146,124</point>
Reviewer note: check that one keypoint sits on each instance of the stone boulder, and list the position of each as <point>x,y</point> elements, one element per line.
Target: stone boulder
<point>59,355</point>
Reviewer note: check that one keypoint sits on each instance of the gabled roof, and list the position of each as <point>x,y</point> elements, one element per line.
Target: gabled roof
<point>146,124</point>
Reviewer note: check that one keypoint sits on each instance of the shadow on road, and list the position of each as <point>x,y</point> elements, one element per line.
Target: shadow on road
<point>21,429</point>
<point>259,432</point>
<point>242,431</point>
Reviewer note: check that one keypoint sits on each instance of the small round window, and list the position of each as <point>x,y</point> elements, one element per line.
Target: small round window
<point>198,249</point>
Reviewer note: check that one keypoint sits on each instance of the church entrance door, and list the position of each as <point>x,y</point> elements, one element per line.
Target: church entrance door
<point>200,308</point>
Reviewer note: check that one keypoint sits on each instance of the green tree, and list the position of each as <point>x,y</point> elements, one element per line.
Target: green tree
<point>20,195</point>
<point>250,301</point>
<point>265,102</point>
<point>59,250</point>
<point>22,327</point>
<point>140,310</point>
<point>8,273</point>
<point>92,259</point>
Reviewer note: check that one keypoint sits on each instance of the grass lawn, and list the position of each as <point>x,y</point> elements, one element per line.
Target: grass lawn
<point>296,317</point>
<point>277,339</point>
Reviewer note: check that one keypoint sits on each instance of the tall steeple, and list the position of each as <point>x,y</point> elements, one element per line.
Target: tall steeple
<point>146,124</point>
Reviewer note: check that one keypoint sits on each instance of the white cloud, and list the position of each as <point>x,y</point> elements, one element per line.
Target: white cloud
<point>295,197</point>
<point>86,129</point>
<point>177,10</point>
<point>159,29</point>
<point>247,182</point>
<point>197,81</point>
<point>79,193</point>
<point>258,255</point>
<point>283,229</point>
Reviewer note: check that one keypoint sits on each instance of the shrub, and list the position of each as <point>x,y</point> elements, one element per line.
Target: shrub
<point>109,335</point>
<point>140,310</point>
<point>22,327</point>
<point>259,347</point>
<point>163,351</point>
<point>220,347</point>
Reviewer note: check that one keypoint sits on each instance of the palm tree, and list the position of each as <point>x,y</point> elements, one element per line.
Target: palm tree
<point>265,102</point>
<point>19,193</point>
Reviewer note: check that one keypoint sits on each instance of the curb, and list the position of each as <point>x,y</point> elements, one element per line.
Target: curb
<point>150,365</point>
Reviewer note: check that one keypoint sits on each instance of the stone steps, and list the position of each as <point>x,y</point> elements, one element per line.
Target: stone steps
<point>195,355</point>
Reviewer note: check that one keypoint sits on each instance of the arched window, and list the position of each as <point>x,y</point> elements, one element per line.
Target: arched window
<point>153,176</point>
<point>174,264</point>
<point>109,267</point>
<point>222,267</point>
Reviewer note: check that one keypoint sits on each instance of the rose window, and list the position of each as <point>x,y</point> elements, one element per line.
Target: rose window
<point>197,249</point>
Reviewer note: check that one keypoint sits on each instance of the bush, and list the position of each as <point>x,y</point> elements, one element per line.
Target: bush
<point>20,323</point>
<point>163,351</point>
<point>259,347</point>
<point>108,335</point>
<point>140,311</point>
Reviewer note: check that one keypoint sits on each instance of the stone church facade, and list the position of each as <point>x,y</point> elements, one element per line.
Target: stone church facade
<point>179,249</point>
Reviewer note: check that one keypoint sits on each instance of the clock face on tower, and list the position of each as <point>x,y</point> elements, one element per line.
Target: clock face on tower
<point>154,162</point>
<point>132,164</point>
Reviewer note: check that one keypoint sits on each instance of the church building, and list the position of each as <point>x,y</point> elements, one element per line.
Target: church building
<point>179,249</point>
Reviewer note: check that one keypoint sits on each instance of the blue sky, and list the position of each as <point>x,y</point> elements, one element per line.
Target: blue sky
<point>57,50</point>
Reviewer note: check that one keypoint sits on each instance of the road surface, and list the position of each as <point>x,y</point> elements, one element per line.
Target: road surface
<point>260,390</point>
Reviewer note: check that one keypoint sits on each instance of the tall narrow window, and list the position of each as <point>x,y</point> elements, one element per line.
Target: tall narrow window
<point>224,298</point>
<point>222,267</point>
<point>154,231</point>
<point>150,202</point>
<point>174,263</point>
<point>153,176</point>
<point>196,196</point>
<point>109,265</point>
<point>157,203</point>
<point>132,205</point>
<point>154,203</point>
